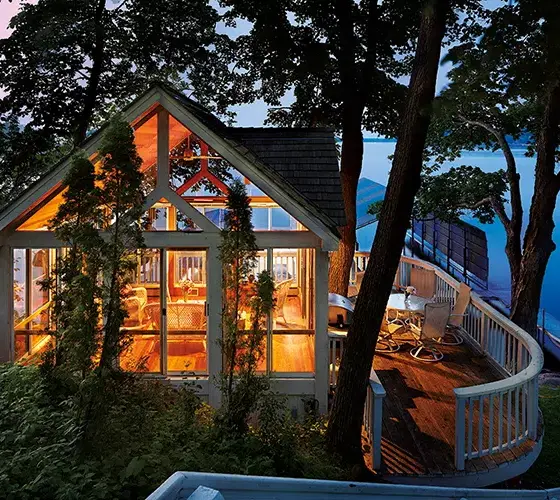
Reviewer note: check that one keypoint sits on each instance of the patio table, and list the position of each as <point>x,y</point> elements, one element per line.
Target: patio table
<point>414,304</point>
<point>410,309</point>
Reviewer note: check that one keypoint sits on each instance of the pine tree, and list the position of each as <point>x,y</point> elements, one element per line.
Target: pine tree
<point>75,286</point>
<point>242,348</point>
<point>121,197</point>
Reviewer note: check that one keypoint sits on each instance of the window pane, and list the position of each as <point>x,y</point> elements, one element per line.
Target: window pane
<point>293,353</point>
<point>216,215</point>
<point>293,318</point>
<point>260,219</point>
<point>31,269</point>
<point>281,220</point>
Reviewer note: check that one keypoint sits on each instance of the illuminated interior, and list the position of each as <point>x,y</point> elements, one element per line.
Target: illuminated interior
<point>291,331</point>
<point>31,301</point>
<point>184,285</point>
<point>166,304</point>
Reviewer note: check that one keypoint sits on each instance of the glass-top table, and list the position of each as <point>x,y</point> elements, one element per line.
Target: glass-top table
<point>414,304</point>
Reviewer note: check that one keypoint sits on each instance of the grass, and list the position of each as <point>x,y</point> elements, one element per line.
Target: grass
<point>544,473</point>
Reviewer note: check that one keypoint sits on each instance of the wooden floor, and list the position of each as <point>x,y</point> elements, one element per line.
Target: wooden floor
<point>292,352</point>
<point>419,411</point>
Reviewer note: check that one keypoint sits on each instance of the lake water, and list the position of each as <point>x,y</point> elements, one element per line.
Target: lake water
<point>376,167</point>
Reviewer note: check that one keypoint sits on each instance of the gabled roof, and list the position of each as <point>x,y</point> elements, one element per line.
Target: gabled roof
<point>305,158</point>
<point>300,164</point>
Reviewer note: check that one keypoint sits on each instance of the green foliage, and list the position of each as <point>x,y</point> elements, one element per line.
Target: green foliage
<point>149,431</point>
<point>95,270</point>
<point>121,197</point>
<point>544,473</point>
<point>75,286</point>
<point>460,191</point>
<point>309,46</point>
<point>25,154</point>
<point>300,45</point>
<point>498,80</point>
<point>68,64</point>
<point>242,348</point>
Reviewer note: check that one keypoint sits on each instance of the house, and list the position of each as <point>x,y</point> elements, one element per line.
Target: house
<point>189,156</point>
<point>471,419</point>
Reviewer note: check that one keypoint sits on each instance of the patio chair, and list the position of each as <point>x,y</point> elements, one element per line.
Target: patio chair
<point>454,325</point>
<point>359,279</point>
<point>385,341</point>
<point>281,294</point>
<point>424,280</point>
<point>436,316</point>
<point>181,316</point>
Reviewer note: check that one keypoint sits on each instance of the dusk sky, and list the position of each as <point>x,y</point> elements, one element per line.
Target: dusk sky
<point>252,115</point>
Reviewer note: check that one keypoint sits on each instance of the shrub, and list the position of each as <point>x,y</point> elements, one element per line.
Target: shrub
<point>144,431</point>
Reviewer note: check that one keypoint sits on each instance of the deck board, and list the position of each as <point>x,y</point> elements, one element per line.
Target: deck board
<point>419,410</point>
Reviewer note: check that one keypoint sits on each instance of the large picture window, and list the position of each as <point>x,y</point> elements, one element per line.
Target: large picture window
<point>32,300</point>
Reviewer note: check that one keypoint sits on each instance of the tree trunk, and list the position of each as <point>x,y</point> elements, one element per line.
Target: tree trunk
<point>84,118</point>
<point>344,430</point>
<point>513,227</point>
<point>354,86</point>
<point>538,244</point>
<point>350,170</point>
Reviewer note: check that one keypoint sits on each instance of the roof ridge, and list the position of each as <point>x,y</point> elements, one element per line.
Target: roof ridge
<point>307,129</point>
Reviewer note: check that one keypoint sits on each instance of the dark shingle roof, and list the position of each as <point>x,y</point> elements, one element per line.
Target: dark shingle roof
<point>304,157</point>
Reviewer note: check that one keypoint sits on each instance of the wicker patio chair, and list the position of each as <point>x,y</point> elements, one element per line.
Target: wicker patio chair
<point>281,294</point>
<point>180,316</point>
<point>436,316</point>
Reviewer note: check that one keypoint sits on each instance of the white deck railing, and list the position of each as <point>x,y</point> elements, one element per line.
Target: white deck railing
<point>182,485</point>
<point>489,418</point>
<point>373,417</point>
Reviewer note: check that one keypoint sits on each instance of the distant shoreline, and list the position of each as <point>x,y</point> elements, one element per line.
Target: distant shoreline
<point>514,145</point>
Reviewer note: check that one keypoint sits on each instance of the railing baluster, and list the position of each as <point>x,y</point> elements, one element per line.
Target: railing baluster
<point>470,428</point>
<point>509,420</point>
<point>517,415</point>
<point>490,422</point>
<point>524,409</point>
<point>460,434</point>
<point>480,422</point>
<point>501,423</point>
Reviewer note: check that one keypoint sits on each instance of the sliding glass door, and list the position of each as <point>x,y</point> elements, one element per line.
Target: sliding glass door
<point>167,313</point>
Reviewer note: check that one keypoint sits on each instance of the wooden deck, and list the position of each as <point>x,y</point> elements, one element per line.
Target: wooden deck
<point>419,412</point>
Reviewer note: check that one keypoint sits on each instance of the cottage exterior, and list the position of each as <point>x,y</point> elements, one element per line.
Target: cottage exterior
<point>470,420</point>
<point>189,156</point>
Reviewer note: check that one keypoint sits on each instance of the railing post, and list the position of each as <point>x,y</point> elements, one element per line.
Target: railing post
<point>459,433</point>
<point>533,407</point>
<point>377,420</point>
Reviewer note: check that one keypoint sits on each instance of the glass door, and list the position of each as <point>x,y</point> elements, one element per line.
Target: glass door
<point>186,319</point>
<point>144,306</point>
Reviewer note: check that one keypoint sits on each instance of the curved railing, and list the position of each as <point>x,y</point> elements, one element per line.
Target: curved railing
<point>507,410</point>
<point>498,416</point>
